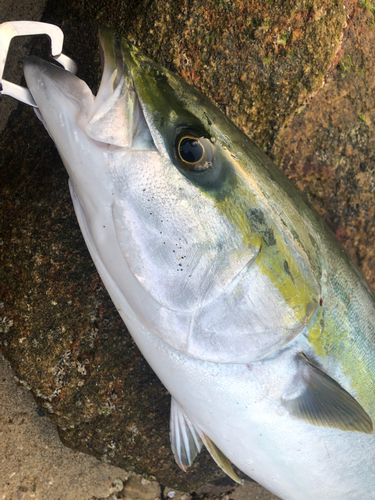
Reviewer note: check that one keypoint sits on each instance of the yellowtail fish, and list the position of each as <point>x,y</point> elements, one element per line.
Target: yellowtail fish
<point>240,298</point>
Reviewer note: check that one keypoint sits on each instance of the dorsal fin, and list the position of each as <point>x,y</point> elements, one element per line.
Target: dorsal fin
<point>319,400</point>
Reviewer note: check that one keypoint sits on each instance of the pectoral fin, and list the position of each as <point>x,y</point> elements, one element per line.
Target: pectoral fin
<point>186,441</point>
<point>112,123</point>
<point>319,400</point>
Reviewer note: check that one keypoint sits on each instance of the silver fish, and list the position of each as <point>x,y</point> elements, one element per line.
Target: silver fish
<point>240,298</point>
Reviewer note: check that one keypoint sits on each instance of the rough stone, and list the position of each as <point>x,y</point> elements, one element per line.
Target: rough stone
<point>328,149</point>
<point>251,491</point>
<point>137,488</point>
<point>33,462</point>
<point>258,61</point>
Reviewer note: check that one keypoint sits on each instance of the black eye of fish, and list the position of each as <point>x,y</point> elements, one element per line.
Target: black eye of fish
<point>190,150</point>
<point>193,153</point>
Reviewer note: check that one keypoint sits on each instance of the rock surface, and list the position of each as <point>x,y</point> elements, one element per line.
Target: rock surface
<point>34,463</point>
<point>328,148</point>
<point>260,62</point>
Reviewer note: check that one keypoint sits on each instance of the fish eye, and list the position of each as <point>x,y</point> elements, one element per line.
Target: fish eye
<point>193,153</point>
<point>190,150</point>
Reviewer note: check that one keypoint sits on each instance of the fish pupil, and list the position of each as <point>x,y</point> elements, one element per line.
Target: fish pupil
<point>191,151</point>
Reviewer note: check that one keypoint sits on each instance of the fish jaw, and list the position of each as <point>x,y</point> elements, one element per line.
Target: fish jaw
<point>85,127</point>
<point>65,103</point>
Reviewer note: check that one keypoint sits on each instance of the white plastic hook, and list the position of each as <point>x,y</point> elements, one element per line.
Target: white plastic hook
<point>12,29</point>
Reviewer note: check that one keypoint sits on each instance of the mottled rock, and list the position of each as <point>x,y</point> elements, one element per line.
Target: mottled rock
<point>33,462</point>
<point>259,61</point>
<point>251,491</point>
<point>328,149</point>
<point>171,494</point>
<point>137,488</point>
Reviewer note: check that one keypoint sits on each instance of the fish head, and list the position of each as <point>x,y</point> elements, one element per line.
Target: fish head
<point>213,260</point>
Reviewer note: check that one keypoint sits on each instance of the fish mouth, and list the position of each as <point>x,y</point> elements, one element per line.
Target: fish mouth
<point>114,117</point>
<point>117,117</point>
<point>139,104</point>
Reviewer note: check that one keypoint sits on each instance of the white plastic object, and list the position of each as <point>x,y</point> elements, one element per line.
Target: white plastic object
<point>12,29</point>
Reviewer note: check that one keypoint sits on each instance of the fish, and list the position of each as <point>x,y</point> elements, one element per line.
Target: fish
<point>238,295</point>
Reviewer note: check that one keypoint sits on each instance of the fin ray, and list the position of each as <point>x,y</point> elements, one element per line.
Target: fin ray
<point>185,441</point>
<point>321,401</point>
<point>219,457</point>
